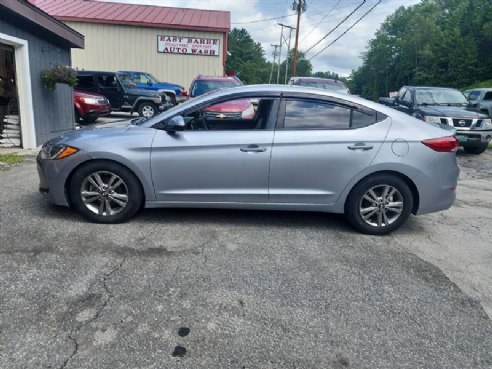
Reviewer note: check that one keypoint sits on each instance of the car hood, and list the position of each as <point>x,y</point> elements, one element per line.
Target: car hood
<point>167,86</point>
<point>92,131</point>
<point>450,111</point>
<point>93,95</point>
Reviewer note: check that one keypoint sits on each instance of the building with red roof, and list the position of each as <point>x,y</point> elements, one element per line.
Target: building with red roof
<point>173,44</point>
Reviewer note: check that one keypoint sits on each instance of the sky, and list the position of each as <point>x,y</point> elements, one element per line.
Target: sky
<point>320,17</point>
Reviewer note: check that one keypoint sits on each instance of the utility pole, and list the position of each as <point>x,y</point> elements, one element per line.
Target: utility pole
<point>300,6</point>
<point>285,40</point>
<point>273,62</point>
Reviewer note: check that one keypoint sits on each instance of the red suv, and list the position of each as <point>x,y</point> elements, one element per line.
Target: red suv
<point>90,106</point>
<point>240,109</point>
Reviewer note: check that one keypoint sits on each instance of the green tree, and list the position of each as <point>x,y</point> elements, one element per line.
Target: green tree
<point>435,42</point>
<point>247,58</point>
<point>304,67</point>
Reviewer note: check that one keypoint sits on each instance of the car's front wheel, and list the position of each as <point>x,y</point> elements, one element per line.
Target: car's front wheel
<point>379,204</point>
<point>147,109</point>
<point>105,192</point>
<point>476,149</point>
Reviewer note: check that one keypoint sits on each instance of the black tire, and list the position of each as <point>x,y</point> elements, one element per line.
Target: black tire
<point>476,150</point>
<point>89,207</point>
<point>91,120</point>
<point>145,107</point>
<point>172,99</point>
<point>357,204</point>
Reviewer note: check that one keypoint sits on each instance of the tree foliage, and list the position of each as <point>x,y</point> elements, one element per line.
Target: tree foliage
<point>436,42</point>
<point>247,58</point>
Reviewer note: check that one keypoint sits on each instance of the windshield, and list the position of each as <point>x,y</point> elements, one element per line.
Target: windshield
<point>201,87</point>
<point>152,79</point>
<point>330,86</point>
<point>440,97</point>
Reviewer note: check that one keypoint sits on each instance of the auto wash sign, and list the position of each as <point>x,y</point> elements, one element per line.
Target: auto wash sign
<point>188,45</point>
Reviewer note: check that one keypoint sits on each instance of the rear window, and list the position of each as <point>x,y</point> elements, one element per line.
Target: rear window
<point>202,87</point>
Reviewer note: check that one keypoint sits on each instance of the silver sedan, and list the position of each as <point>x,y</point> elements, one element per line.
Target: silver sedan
<point>302,149</point>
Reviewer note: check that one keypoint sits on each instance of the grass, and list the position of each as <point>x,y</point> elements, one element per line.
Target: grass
<point>483,84</point>
<point>11,159</point>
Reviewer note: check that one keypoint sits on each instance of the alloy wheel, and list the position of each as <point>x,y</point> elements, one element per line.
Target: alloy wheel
<point>381,206</point>
<point>148,111</point>
<point>104,193</point>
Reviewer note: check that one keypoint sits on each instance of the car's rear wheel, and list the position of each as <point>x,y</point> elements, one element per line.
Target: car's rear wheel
<point>105,192</point>
<point>476,149</point>
<point>147,109</point>
<point>379,204</point>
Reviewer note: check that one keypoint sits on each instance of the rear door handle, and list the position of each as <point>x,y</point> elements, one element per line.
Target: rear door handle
<point>252,148</point>
<point>360,146</point>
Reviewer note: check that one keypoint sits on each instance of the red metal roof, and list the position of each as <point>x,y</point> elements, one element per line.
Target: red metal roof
<point>136,15</point>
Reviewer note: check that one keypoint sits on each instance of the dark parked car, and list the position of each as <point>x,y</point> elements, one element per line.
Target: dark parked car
<point>448,107</point>
<point>122,96</point>
<point>147,81</point>
<point>323,83</point>
<point>90,106</point>
<point>480,100</point>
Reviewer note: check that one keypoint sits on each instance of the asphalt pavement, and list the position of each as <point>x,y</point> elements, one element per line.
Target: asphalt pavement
<point>187,288</point>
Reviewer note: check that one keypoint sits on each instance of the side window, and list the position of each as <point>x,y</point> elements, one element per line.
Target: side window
<point>401,93</point>
<point>407,98</point>
<point>106,81</point>
<point>237,114</point>
<point>314,114</point>
<point>85,82</point>
<point>140,78</point>
<point>474,95</point>
<point>488,96</point>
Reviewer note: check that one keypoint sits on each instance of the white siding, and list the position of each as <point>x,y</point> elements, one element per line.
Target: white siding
<point>115,47</point>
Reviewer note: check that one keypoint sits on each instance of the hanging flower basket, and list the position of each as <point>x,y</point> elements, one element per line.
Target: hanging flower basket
<point>59,74</point>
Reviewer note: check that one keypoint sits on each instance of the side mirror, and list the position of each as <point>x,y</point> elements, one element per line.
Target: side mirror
<point>174,124</point>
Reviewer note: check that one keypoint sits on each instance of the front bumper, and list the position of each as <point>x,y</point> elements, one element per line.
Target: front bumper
<point>470,137</point>
<point>54,174</point>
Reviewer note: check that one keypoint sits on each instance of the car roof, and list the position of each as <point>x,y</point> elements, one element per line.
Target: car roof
<point>317,79</point>
<point>428,87</point>
<point>94,72</point>
<point>215,78</point>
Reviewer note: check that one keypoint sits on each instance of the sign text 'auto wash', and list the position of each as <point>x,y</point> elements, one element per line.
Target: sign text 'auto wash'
<point>188,45</point>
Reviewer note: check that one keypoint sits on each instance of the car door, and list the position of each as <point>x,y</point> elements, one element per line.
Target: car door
<point>219,157</point>
<point>320,146</point>
<point>109,87</point>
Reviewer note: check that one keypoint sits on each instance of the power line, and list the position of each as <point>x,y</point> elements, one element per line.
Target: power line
<point>348,29</point>
<point>321,20</point>
<point>265,20</point>
<point>336,27</point>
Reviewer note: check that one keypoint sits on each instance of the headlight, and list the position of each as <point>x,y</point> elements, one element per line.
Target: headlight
<point>56,151</point>
<point>431,119</point>
<point>90,100</point>
<point>486,124</point>
<point>157,100</point>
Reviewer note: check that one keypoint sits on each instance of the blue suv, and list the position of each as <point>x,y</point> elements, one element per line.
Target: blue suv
<point>147,81</point>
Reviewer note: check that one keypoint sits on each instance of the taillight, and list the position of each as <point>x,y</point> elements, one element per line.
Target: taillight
<point>442,144</point>
<point>184,93</point>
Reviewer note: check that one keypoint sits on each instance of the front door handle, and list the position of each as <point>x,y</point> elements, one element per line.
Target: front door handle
<point>252,148</point>
<point>360,146</point>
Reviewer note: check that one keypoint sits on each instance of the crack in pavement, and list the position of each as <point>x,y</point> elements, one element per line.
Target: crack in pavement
<point>78,327</point>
